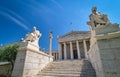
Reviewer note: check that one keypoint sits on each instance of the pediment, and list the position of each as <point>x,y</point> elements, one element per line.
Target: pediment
<point>74,35</point>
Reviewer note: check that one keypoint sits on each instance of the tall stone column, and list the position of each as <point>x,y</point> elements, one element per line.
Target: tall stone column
<point>56,56</point>
<point>50,44</point>
<point>71,50</point>
<point>85,49</point>
<point>60,51</point>
<point>65,52</point>
<point>78,49</point>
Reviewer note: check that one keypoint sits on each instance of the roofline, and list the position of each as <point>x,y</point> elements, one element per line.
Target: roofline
<point>73,31</point>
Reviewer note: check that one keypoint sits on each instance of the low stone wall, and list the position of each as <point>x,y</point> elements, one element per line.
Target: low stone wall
<point>5,69</point>
<point>30,62</point>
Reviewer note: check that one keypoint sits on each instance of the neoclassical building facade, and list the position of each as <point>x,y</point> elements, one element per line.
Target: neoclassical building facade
<point>74,45</point>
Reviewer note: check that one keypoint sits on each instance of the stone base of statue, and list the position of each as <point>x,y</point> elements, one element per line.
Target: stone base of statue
<point>30,60</point>
<point>104,50</point>
<point>29,45</point>
<point>102,29</point>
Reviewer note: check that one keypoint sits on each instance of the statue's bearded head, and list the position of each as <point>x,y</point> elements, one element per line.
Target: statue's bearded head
<point>34,28</point>
<point>94,9</point>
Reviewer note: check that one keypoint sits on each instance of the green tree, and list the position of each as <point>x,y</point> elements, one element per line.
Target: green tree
<point>8,53</point>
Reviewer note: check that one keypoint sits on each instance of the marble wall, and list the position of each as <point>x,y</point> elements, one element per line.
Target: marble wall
<point>30,62</point>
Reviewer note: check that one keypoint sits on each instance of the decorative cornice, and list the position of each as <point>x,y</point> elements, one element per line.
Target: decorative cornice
<point>74,35</point>
<point>108,35</point>
<point>72,32</point>
<point>31,48</point>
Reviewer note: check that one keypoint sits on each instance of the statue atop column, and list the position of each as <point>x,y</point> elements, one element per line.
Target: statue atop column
<point>50,43</point>
<point>97,19</point>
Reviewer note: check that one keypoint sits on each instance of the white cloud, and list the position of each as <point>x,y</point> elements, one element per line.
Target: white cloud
<point>14,19</point>
<point>56,3</point>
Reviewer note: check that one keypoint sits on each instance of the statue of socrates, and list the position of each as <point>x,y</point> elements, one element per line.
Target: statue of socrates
<point>96,18</point>
<point>35,35</point>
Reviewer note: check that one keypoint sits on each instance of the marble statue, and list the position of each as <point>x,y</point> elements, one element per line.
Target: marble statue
<point>96,18</point>
<point>50,36</point>
<point>35,35</point>
<point>32,37</point>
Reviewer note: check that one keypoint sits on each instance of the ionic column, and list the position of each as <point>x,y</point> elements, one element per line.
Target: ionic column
<point>78,49</point>
<point>85,48</point>
<point>65,52</point>
<point>50,44</point>
<point>60,52</point>
<point>53,54</point>
<point>71,50</point>
<point>56,55</point>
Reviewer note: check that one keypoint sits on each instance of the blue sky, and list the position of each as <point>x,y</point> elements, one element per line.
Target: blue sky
<point>17,17</point>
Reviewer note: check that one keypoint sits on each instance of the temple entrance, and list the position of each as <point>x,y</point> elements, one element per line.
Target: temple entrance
<point>75,54</point>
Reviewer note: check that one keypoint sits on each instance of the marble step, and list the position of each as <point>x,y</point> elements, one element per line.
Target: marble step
<point>66,75</point>
<point>74,65</point>
<point>70,69</point>
<point>77,68</point>
<point>71,63</point>
<point>54,74</point>
<point>91,70</point>
<point>59,76</point>
<point>69,72</point>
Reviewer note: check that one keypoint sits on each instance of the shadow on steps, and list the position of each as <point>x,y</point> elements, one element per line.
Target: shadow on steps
<point>87,70</point>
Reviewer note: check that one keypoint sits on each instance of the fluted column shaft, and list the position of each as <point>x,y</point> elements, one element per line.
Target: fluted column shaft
<point>85,48</point>
<point>78,49</point>
<point>71,50</point>
<point>65,52</point>
<point>60,52</point>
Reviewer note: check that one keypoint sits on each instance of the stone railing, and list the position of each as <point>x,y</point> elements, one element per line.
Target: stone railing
<point>104,52</point>
<point>30,61</point>
<point>5,69</point>
<point>94,58</point>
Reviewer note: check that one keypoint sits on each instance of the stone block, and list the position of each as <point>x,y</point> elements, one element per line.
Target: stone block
<point>109,43</point>
<point>107,29</point>
<point>115,42</point>
<point>35,66</point>
<point>111,74</point>
<point>107,54</point>
<point>17,73</point>
<point>102,44</point>
<point>21,53</point>
<point>28,66</point>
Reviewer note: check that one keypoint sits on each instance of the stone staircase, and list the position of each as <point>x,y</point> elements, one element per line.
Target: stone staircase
<point>68,68</point>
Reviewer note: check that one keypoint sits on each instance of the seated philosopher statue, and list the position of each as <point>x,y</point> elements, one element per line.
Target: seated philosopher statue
<point>97,18</point>
<point>34,36</point>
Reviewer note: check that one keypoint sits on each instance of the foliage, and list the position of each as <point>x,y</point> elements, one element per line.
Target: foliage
<point>8,52</point>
